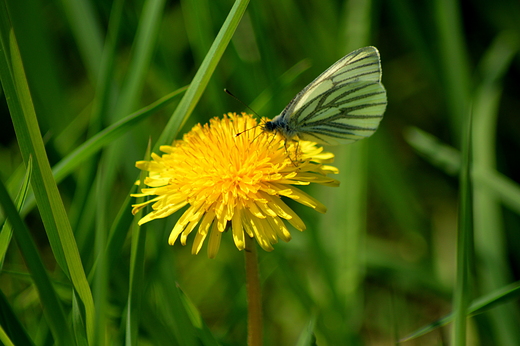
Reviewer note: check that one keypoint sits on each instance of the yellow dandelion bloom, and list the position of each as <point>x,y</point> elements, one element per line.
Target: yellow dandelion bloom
<point>228,181</point>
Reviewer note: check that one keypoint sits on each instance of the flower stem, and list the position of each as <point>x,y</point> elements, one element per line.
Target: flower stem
<point>254,296</point>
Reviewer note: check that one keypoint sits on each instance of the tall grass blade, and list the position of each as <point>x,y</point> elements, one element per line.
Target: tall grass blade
<point>465,247</point>
<point>30,141</point>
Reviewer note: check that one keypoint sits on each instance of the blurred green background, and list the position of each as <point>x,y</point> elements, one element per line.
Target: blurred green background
<point>378,266</point>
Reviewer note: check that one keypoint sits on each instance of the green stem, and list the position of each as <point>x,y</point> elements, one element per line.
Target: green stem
<point>254,296</point>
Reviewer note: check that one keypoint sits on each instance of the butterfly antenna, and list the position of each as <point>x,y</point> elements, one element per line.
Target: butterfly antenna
<point>242,102</point>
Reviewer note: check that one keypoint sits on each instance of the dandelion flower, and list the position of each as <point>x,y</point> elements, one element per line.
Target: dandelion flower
<point>236,182</point>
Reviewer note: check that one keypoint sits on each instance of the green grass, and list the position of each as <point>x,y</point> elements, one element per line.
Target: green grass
<point>420,241</point>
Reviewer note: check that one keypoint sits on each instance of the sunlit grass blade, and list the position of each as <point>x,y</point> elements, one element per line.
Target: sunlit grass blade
<point>50,204</point>
<point>478,306</point>
<point>7,230</point>
<point>5,339</point>
<point>203,75</point>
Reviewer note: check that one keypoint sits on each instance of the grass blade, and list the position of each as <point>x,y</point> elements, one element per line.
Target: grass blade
<point>465,246</point>
<point>31,144</point>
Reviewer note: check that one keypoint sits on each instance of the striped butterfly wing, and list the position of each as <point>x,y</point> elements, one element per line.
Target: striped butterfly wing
<point>343,104</point>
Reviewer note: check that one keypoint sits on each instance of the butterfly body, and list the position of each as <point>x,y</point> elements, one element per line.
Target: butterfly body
<point>342,105</point>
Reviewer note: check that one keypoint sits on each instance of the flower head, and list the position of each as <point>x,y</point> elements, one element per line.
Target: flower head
<point>230,181</point>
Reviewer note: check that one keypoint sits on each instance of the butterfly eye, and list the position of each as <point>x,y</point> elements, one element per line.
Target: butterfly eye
<point>269,126</point>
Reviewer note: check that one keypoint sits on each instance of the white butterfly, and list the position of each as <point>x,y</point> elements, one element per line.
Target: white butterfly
<point>344,104</point>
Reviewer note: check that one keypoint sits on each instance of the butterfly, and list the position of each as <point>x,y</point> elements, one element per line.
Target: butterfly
<point>342,105</point>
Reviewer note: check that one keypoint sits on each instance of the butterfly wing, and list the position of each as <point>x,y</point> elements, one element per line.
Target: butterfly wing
<point>343,104</point>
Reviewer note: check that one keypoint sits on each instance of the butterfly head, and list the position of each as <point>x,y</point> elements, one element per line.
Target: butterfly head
<point>270,126</point>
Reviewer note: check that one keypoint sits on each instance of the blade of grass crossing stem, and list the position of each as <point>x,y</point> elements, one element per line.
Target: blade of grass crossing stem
<point>108,135</point>
<point>478,306</point>
<point>52,307</point>
<point>7,229</point>
<point>137,258</point>
<point>448,159</point>
<point>67,165</point>
<point>462,292</point>
<point>30,141</point>
<point>203,75</point>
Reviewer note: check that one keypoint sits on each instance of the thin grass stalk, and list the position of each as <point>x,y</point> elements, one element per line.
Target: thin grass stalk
<point>490,237</point>
<point>462,293</point>
<point>101,286</point>
<point>137,259</point>
<point>455,63</point>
